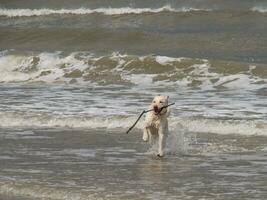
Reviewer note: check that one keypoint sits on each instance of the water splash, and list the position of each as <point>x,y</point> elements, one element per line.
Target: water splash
<point>176,142</point>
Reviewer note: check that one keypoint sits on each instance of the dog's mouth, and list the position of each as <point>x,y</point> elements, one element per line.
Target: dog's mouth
<point>157,110</point>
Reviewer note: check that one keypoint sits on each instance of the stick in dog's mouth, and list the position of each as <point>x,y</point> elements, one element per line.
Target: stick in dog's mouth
<point>158,110</point>
<point>145,111</point>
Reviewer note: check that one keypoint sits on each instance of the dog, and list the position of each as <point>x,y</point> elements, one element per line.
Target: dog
<point>156,123</point>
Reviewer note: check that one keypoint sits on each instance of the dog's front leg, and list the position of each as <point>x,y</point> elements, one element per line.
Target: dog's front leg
<point>161,141</point>
<point>146,134</point>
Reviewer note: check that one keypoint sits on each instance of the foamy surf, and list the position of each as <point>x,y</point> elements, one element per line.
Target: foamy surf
<point>109,122</point>
<point>123,69</point>
<point>107,11</point>
<point>88,11</point>
<point>80,90</point>
<point>64,115</point>
<point>259,9</point>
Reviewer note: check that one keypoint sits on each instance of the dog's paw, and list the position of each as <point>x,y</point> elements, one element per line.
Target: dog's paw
<point>145,138</point>
<point>160,155</point>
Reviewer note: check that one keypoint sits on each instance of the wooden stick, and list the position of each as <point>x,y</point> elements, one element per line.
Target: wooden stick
<point>145,111</point>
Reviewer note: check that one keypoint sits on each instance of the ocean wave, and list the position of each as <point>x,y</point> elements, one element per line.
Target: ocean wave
<point>259,9</point>
<point>130,70</point>
<point>108,11</point>
<point>123,122</point>
<point>88,11</point>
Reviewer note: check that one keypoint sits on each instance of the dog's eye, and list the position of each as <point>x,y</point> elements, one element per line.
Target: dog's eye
<point>160,102</point>
<point>154,101</point>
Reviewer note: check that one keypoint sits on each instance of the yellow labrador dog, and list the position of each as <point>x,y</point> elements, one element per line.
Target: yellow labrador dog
<point>156,123</point>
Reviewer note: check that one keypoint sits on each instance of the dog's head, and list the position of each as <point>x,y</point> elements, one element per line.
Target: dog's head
<point>159,102</point>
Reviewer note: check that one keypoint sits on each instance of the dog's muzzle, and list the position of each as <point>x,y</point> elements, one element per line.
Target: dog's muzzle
<point>157,110</point>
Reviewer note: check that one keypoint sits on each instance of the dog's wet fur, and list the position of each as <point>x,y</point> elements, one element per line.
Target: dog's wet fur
<point>156,123</point>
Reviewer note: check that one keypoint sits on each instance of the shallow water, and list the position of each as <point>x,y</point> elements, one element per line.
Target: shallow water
<point>100,164</point>
<point>74,75</point>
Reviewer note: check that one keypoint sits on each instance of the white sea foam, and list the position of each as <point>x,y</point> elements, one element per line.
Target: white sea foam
<point>87,11</point>
<point>237,81</point>
<point>163,60</point>
<point>260,9</point>
<point>8,64</point>
<point>83,66</point>
<point>241,127</point>
<point>38,120</point>
<point>48,67</point>
<point>224,127</point>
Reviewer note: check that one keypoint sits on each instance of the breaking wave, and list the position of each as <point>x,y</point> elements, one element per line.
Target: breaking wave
<point>108,11</point>
<point>191,124</point>
<point>87,11</point>
<point>123,69</point>
<point>259,9</point>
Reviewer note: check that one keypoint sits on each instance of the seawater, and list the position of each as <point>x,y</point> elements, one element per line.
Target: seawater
<point>75,75</point>
<point>104,164</point>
